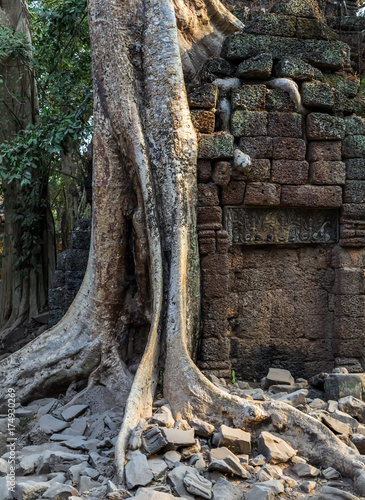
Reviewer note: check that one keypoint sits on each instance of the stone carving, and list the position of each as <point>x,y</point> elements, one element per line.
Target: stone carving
<point>279,226</point>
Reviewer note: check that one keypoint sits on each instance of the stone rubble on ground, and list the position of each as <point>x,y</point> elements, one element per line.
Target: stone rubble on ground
<point>67,452</point>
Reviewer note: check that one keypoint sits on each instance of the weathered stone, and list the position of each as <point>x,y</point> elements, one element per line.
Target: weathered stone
<point>223,489</point>
<point>189,451</point>
<point>285,125</point>
<point>349,87</point>
<point>177,437</point>
<point>331,474</point>
<point>354,407</point>
<point>353,146</point>
<point>203,120</point>
<point>279,100</point>
<point>359,442</point>
<point>197,484</point>
<point>257,147</point>
<point>172,457</point>
<point>258,67</point>
<point>258,171</point>
<point>354,125</point>
<point>207,196</point>
<point>321,126</point>
<point>290,67</point>
<point>320,53</point>
<point>342,105</point>
<point>337,426</point>
<point>215,146</point>
<point>153,440</point>
<point>259,492</point>
<point>217,67</point>
<point>249,98</point>
<point>278,376</point>
<point>236,440</point>
<point>354,192</point>
<point>241,162</point>
<point>305,470</point>
<point>262,193</point>
<point>176,479</point>
<point>311,196</point>
<point>308,486</point>
<point>339,385</point>
<point>327,172</point>
<point>275,449</point>
<point>331,493</point>
<point>30,490</point>
<point>229,465</point>
<point>317,95</point>
<point>315,29</point>
<point>51,425</point>
<point>204,97</point>
<point>157,495</point>
<point>221,173</point>
<point>273,24</point>
<point>295,398</point>
<point>233,194</point>
<point>220,453</point>
<point>204,170</point>
<point>248,123</point>
<point>158,466</point>
<point>290,171</point>
<point>324,151</point>
<point>137,471</point>
<point>287,148</point>
<point>202,428</point>
<point>209,218</point>
<point>73,412</point>
<point>301,8</point>
<point>59,491</point>
<point>355,168</point>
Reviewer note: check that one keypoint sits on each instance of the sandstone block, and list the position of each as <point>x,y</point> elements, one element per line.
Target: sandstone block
<point>354,192</point>
<point>229,465</point>
<point>248,123</point>
<point>285,125</point>
<point>262,193</point>
<point>215,264</point>
<point>350,281</point>
<point>204,170</point>
<point>258,67</point>
<point>209,218</point>
<point>354,407</point>
<point>340,385</point>
<point>277,376</point>
<point>288,149</point>
<point>321,126</point>
<point>279,100</point>
<point>359,442</point>
<point>337,426</point>
<point>204,97</point>
<point>317,95</point>
<point>305,470</point>
<point>259,492</point>
<point>311,196</point>
<point>291,67</point>
<point>202,428</point>
<point>137,472</point>
<point>234,193</point>
<point>343,105</point>
<point>259,171</point>
<point>354,125</point>
<point>257,147</point>
<point>153,440</point>
<point>220,453</point>
<point>221,173</point>
<point>355,168</point>
<point>198,485</point>
<point>207,195</point>
<point>314,29</point>
<point>307,9</point>
<point>275,449</point>
<point>331,493</point>
<point>203,121</point>
<point>327,172</point>
<point>216,67</point>
<point>236,440</point>
<point>207,243</point>
<point>215,286</point>
<point>222,241</point>
<point>215,146</point>
<point>249,97</point>
<point>177,437</point>
<point>273,24</point>
<point>353,146</point>
<point>324,151</point>
<point>346,86</point>
<point>289,171</point>
<point>225,489</point>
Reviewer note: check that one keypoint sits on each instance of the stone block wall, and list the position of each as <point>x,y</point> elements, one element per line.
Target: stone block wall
<point>281,199</point>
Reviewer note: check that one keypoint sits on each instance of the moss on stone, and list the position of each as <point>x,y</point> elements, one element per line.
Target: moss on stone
<point>249,123</point>
<point>204,97</point>
<point>314,29</point>
<point>317,95</point>
<point>354,125</point>
<point>215,146</point>
<point>347,86</point>
<point>217,67</point>
<point>353,146</point>
<point>322,126</point>
<point>273,24</point>
<point>290,67</point>
<point>256,67</point>
<point>279,100</point>
<point>343,104</point>
<point>249,97</point>
<point>301,8</point>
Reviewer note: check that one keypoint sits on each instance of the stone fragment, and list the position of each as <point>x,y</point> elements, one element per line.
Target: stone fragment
<point>222,172</point>
<point>202,428</point>
<point>308,486</point>
<point>61,492</point>
<point>305,470</point>
<point>259,492</point>
<point>203,120</point>
<point>288,148</point>
<point>248,123</point>
<point>295,398</point>
<point>241,162</point>
<point>197,484</point>
<point>345,418</point>
<point>228,465</point>
<point>257,147</point>
<point>137,472</point>
<point>324,151</point>
<point>272,24</point>
<point>311,196</point>
<point>153,440</point>
<point>204,97</point>
<point>340,385</point>
<point>207,196</point>
<point>236,440</point>
<point>177,437</point>
<point>354,407</point>
<point>318,404</point>
<point>291,67</point>
<point>301,8</point>
<point>217,67</point>
<point>189,451</point>
<point>158,466</point>
<point>234,193</point>
<point>258,67</point>
<point>353,146</point>
<point>259,171</point>
<point>359,442</point>
<point>348,87</point>
<point>30,490</point>
<point>249,98</point>
<point>259,460</point>
<point>285,125</point>
<point>204,170</point>
<point>215,146</point>
<point>355,168</point>
<point>354,125</point>
<point>51,425</point>
<point>331,493</point>
<point>317,95</point>
<point>280,101</point>
<point>331,474</point>
<point>290,171</point>
<point>73,412</point>
<point>176,479</point>
<point>337,426</point>
<point>223,489</point>
<point>322,126</point>
<point>276,485</point>
<point>278,376</point>
<point>262,193</point>
<point>327,172</point>
<point>172,458</point>
<point>275,449</point>
<point>220,453</point>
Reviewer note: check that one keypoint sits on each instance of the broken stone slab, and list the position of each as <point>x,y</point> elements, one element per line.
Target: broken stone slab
<point>164,416</point>
<point>259,460</point>
<point>60,491</point>
<point>30,490</point>
<point>197,484</point>
<point>331,473</point>
<point>153,440</point>
<point>87,484</point>
<point>259,492</point>
<point>359,442</point>
<point>277,376</point>
<point>331,493</point>
<point>305,470</point>
<point>60,461</point>
<point>295,398</point>
<point>308,486</point>
<point>164,488</point>
<point>182,425</point>
<point>223,489</point>
<point>220,453</point>
<point>158,495</point>
<point>177,437</point>
<point>158,466</point>
<point>354,407</point>
<point>79,443</point>
<point>275,485</point>
<point>172,458</point>
<point>137,471</point>
<point>236,440</point>
<point>176,479</point>
<point>135,440</point>
<point>275,449</point>
<point>229,465</point>
<point>268,472</point>
<point>52,425</point>
<point>341,385</point>
<point>202,428</point>
<point>337,426</point>
<point>73,412</point>
<point>345,418</point>
<point>191,450</point>
<point>275,389</point>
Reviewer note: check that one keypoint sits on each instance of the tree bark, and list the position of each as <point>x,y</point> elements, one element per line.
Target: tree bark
<point>145,151</point>
<point>23,291</point>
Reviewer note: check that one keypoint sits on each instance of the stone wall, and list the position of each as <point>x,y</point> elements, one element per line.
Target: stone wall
<point>281,186</point>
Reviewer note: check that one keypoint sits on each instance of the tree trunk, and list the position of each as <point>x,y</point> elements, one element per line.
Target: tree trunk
<point>145,151</point>
<point>23,288</point>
